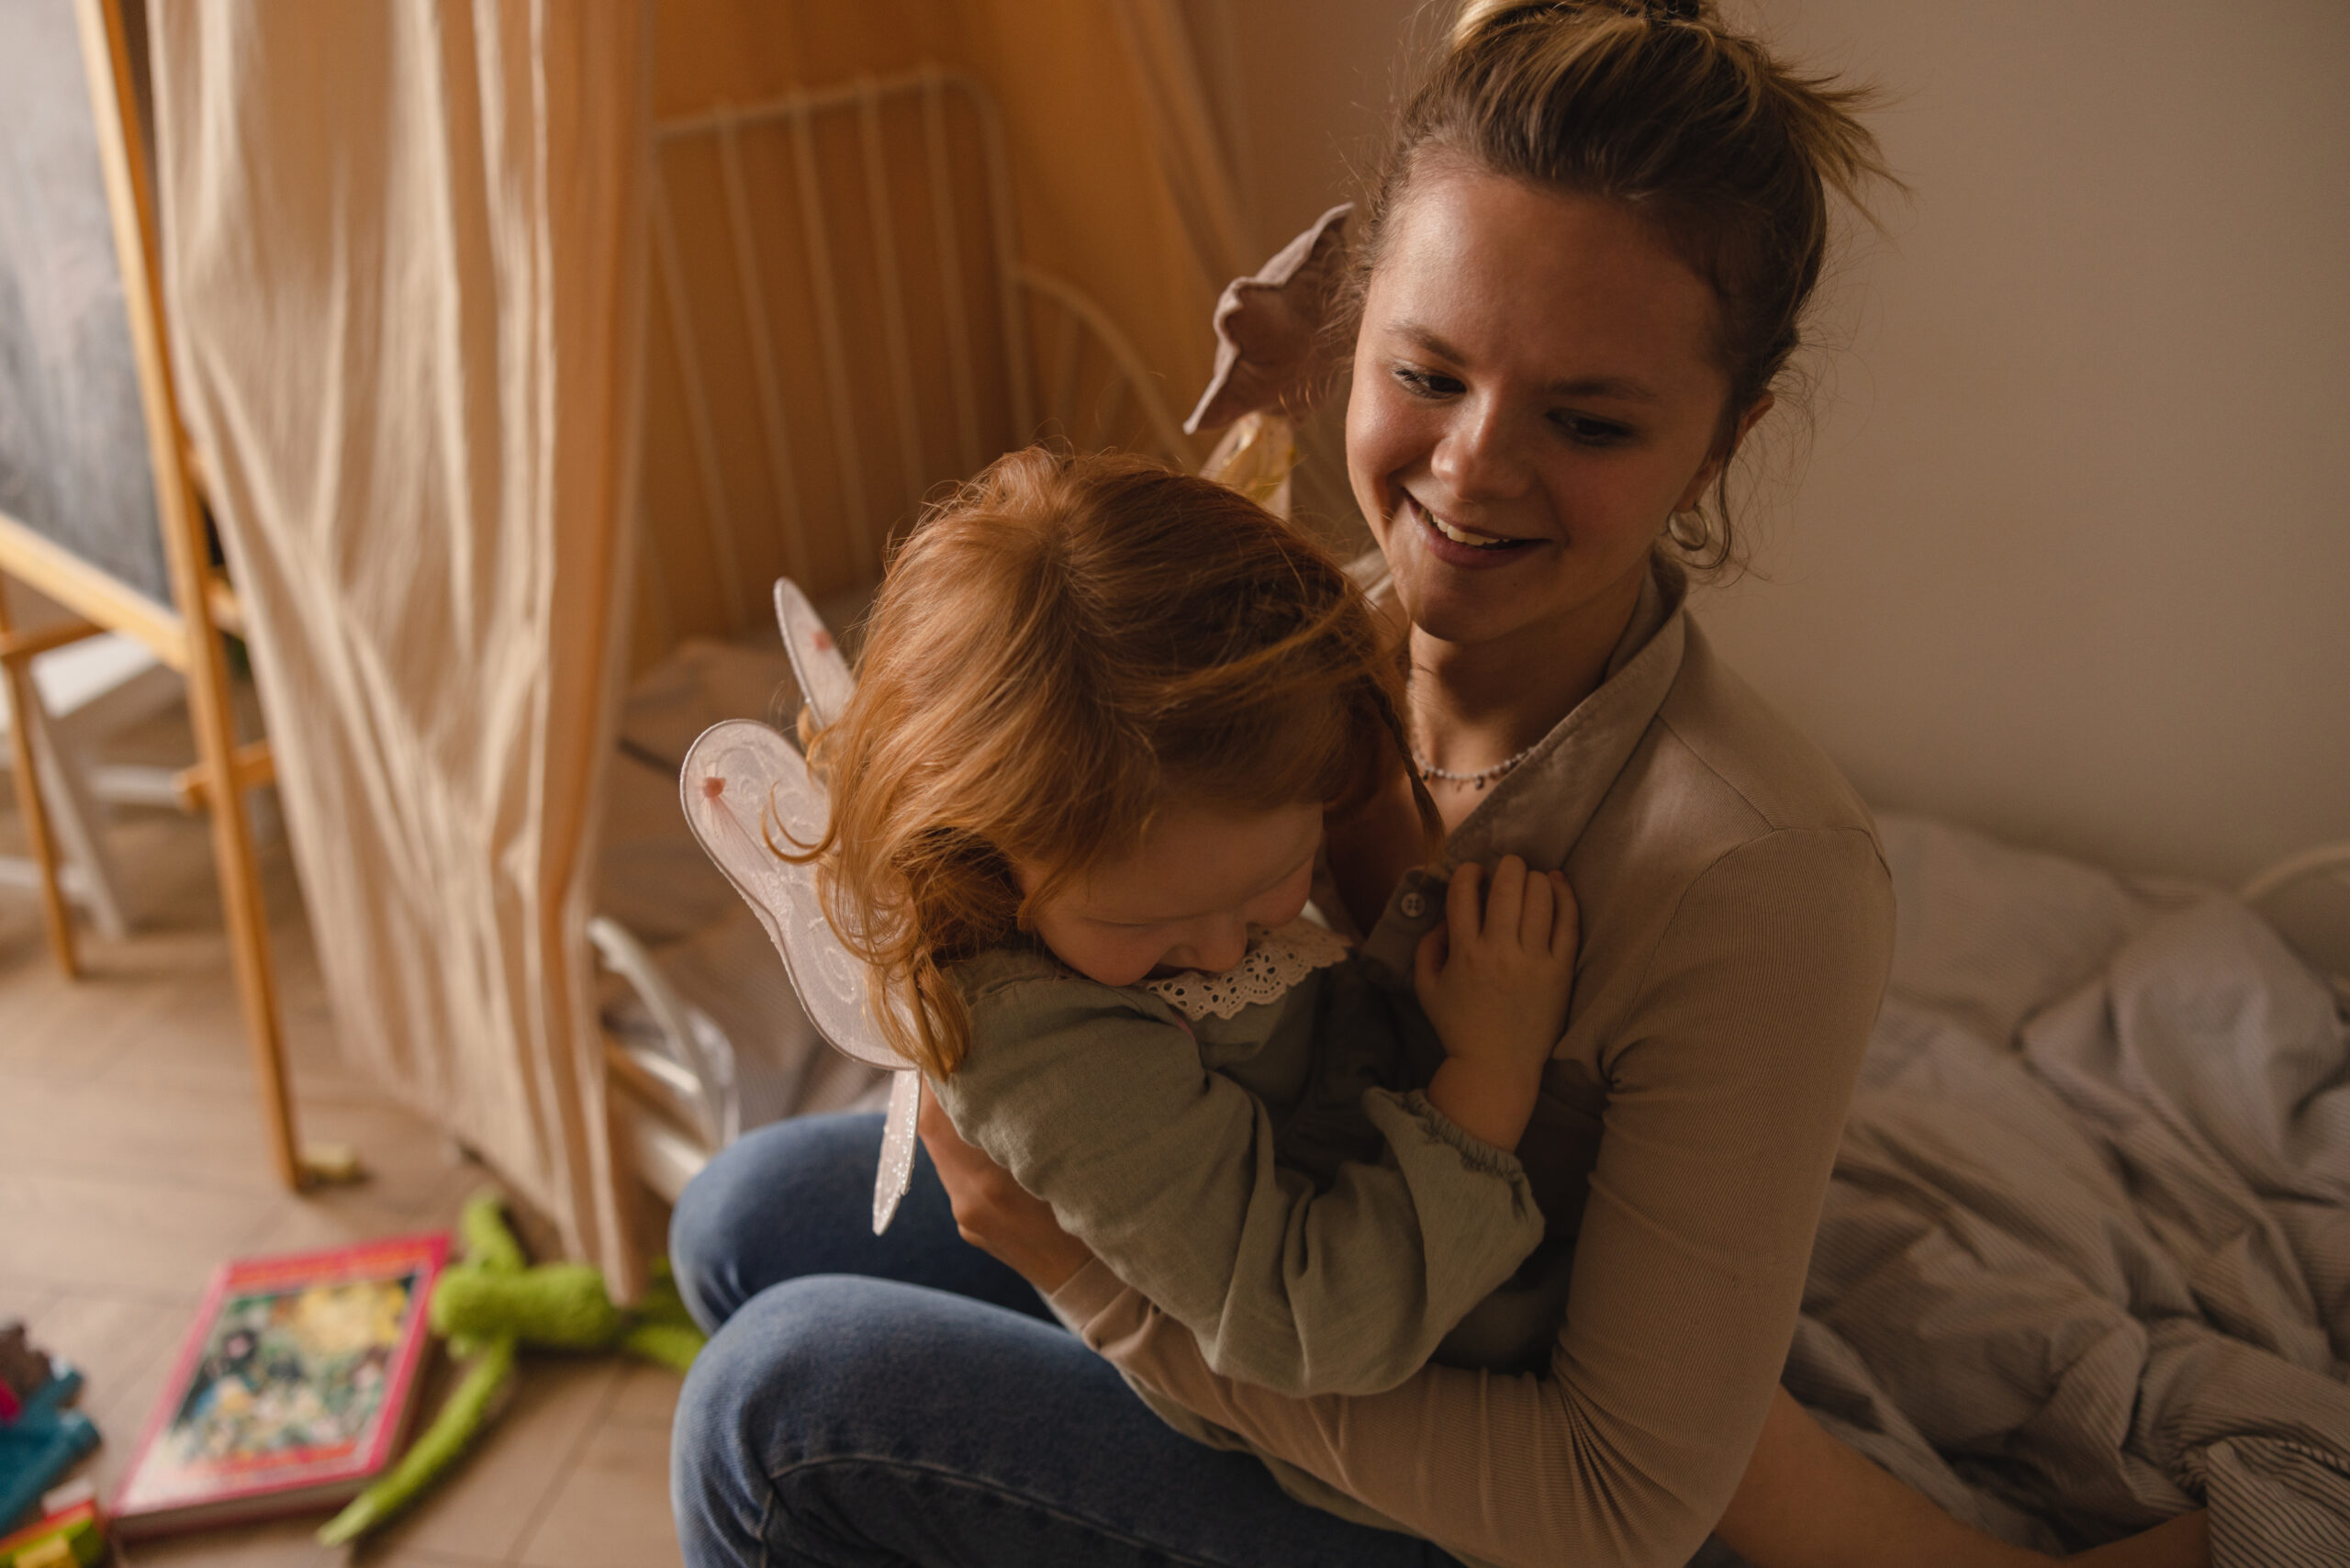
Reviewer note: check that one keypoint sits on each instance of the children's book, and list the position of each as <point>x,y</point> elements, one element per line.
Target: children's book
<point>291,1391</point>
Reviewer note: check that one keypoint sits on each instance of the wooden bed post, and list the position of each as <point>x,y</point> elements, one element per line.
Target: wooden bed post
<point>201,657</point>
<point>24,708</point>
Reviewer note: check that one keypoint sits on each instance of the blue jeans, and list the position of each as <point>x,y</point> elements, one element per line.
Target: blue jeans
<point>906,1399</point>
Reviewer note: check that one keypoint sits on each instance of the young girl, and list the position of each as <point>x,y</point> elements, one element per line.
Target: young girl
<point>1103,712</point>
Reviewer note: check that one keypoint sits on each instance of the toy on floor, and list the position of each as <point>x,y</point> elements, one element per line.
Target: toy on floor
<point>487,1307</point>
<point>40,1437</point>
<point>71,1532</point>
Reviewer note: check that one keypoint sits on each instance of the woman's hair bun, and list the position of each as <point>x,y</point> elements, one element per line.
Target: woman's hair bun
<point>1478,15</point>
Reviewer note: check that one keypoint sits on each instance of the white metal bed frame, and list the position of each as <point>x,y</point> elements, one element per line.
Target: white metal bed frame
<point>1066,332</point>
<point>1067,371</point>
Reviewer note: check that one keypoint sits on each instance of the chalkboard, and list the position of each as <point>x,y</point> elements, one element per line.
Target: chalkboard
<point>73,460</point>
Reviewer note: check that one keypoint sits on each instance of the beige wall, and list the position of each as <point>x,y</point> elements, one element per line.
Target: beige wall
<point>2070,556</point>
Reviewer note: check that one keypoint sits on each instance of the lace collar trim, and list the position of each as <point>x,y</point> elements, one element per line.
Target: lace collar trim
<point>1275,962</point>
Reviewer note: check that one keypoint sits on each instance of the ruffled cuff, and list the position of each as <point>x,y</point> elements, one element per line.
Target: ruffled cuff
<point>1395,1114</point>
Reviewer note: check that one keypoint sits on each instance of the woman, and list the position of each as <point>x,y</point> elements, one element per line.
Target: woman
<point>1581,276</point>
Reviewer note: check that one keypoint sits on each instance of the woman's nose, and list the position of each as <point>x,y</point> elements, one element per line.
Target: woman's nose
<point>1478,456</point>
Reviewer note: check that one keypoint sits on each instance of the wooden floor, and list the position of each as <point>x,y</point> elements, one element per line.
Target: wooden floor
<point>132,1161</point>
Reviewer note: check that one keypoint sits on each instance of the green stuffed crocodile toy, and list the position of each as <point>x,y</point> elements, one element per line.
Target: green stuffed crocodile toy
<point>487,1307</point>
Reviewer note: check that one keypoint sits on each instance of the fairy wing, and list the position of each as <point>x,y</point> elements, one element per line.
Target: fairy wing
<point>746,793</point>
<point>898,1140</point>
<point>815,655</point>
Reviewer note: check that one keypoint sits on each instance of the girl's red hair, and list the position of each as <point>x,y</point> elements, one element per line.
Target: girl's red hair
<point>1058,650</point>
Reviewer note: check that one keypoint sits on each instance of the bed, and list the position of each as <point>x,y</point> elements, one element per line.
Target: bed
<point>2086,1257</point>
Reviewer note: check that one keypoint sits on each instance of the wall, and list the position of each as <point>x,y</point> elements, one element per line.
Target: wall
<point>2068,557</point>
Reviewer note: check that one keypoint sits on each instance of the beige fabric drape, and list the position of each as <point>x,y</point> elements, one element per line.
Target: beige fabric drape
<point>403,265</point>
<point>1194,163</point>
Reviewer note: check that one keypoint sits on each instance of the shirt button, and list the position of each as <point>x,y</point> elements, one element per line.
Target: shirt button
<point>1413,905</point>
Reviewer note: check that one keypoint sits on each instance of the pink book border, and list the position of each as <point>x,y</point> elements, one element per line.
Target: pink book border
<point>429,1250</point>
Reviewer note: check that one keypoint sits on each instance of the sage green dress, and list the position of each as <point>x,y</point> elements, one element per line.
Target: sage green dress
<point>1245,1151</point>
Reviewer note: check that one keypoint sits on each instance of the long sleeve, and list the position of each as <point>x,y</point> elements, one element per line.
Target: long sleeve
<point>1727,1092</point>
<point>1166,1169</point>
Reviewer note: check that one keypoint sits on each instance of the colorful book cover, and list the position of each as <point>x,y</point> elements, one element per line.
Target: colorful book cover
<point>292,1388</point>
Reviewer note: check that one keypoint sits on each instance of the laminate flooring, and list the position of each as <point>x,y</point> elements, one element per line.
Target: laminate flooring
<point>132,1161</point>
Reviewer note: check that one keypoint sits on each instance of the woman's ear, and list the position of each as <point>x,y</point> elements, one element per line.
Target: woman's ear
<point>1709,470</point>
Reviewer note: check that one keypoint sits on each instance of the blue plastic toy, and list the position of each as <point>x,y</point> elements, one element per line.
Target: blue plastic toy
<point>41,1442</point>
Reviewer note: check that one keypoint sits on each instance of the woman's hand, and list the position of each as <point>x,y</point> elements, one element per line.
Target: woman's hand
<point>996,1214</point>
<point>1495,981</point>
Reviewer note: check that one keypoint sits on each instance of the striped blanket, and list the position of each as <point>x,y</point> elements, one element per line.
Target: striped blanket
<point>2085,1261</point>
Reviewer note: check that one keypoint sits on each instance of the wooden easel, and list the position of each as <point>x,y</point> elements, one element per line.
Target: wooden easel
<point>186,635</point>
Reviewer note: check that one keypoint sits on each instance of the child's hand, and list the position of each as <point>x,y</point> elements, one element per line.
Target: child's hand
<point>1496,983</point>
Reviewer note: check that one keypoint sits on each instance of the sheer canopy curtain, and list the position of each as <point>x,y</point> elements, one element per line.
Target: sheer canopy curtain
<point>1195,154</point>
<point>403,262</point>
<point>404,255</point>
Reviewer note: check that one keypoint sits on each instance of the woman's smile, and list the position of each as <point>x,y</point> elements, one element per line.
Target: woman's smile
<point>1459,545</point>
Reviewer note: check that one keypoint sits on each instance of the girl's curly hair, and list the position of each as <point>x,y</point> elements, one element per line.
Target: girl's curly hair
<point>1058,650</point>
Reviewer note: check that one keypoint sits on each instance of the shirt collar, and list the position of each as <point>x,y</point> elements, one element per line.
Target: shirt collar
<point>1541,807</point>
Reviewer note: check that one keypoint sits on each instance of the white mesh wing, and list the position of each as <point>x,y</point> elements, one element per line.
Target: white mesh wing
<point>897,1137</point>
<point>745,787</point>
<point>823,674</point>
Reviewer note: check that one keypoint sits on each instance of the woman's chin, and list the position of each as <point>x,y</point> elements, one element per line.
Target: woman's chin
<point>1463,620</point>
<point>1547,591</point>
<point>1466,607</point>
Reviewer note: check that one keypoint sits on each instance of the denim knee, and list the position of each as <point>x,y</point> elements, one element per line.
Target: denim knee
<point>726,1418</point>
<point>702,1236</point>
<point>793,1377</point>
<point>790,1198</point>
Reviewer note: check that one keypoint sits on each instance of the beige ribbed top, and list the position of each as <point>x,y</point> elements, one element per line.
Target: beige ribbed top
<point>1738,928</point>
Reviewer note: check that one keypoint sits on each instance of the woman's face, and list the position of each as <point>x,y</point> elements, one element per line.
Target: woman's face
<point>1533,394</point>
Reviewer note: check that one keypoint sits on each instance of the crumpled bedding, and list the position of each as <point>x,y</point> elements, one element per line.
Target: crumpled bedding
<point>2085,1260</point>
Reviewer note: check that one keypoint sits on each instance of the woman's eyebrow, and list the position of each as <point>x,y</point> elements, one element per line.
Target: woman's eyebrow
<point>1425,341</point>
<point>1622,387</point>
<point>1617,386</point>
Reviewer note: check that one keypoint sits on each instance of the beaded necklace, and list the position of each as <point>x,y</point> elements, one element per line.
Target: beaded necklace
<point>1478,779</point>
